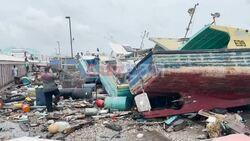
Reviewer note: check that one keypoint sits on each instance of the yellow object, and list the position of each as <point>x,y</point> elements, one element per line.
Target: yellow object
<point>53,128</point>
<point>28,99</point>
<point>17,106</point>
<point>168,43</point>
<point>239,38</point>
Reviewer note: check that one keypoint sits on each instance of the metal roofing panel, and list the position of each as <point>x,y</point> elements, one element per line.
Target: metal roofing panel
<point>10,58</point>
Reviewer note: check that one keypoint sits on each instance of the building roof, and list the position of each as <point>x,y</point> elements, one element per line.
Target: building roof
<point>10,58</point>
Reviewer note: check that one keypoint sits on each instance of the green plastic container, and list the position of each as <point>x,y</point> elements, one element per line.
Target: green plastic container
<point>119,103</point>
<point>26,81</point>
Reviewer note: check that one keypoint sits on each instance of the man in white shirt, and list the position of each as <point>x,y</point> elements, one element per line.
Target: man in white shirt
<point>15,74</point>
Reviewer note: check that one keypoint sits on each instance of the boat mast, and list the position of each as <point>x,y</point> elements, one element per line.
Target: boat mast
<point>191,11</point>
<point>215,15</point>
<point>145,34</point>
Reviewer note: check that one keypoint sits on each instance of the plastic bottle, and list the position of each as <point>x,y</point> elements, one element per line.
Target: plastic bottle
<point>26,108</point>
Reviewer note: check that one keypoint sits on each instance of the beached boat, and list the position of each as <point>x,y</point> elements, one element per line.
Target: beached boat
<point>113,76</point>
<point>212,70</point>
<point>88,66</point>
<point>113,71</point>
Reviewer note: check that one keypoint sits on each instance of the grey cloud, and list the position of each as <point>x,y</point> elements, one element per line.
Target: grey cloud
<point>39,24</point>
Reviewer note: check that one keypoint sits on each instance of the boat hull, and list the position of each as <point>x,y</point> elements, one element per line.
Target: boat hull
<point>110,82</point>
<point>89,72</point>
<point>200,80</point>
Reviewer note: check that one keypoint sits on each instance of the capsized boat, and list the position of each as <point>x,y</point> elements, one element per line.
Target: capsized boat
<point>211,70</point>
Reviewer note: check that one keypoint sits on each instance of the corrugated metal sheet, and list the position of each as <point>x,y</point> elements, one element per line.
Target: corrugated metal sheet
<point>10,58</point>
<point>6,65</point>
<point>6,73</point>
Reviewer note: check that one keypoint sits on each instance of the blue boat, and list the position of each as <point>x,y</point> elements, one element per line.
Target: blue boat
<point>88,66</point>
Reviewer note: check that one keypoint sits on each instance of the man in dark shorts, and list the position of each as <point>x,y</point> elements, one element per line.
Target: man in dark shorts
<point>50,88</point>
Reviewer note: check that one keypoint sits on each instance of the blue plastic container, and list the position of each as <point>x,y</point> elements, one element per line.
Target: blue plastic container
<point>40,97</point>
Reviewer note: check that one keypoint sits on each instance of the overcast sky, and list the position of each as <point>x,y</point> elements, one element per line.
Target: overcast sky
<point>39,24</point>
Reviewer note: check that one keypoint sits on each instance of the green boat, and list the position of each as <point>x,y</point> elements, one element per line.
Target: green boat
<point>112,75</point>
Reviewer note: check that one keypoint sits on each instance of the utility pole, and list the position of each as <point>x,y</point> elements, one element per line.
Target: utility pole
<point>70,34</point>
<point>191,11</point>
<point>59,51</point>
<point>59,48</point>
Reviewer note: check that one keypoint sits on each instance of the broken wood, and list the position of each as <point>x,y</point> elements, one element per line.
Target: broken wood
<point>72,129</point>
<point>229,121</point>
<point>77,127</point>
<point>112,115</point>
<point>113,126</point>
<point>24,127</point>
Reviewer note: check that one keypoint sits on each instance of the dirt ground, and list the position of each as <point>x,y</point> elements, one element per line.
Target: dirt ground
<point>98,132</point>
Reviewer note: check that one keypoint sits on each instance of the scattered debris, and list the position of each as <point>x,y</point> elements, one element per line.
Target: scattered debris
<point>139,135</point>
<point>29,139</point>
<point>53,128</point>
<point>202,137</point>
<point>170,120</point>
<point>91,111</point>
<point>179,125</point>
<point>113,126</point>
<point>219,124</point>
<point>74,118</point>
<point>100,103</point>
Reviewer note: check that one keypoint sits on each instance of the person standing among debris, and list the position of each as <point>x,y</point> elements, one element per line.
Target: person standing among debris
<point>50,88</point>
<point>97,53</point>
<point>15,74</point>
<point>78,56</point>
<point>81,55</point>
<point>27,65</point>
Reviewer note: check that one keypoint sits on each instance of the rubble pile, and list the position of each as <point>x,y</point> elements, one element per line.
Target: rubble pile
<point>88,119</point>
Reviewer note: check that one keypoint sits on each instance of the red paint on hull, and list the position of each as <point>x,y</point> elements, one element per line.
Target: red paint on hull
<point>202,92</point>
<point>203,102</point>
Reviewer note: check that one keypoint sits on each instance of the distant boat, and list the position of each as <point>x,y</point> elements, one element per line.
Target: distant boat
<point>211,70</point>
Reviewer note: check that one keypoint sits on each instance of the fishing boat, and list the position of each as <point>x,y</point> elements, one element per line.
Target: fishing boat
<point>88,68</point>
<point>113,77</point>
<point>113,71</point>
<point>210,70</point>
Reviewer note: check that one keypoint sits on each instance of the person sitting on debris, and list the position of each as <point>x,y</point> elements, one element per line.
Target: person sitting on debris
<point>50,88</point>
<point>15,74</point>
